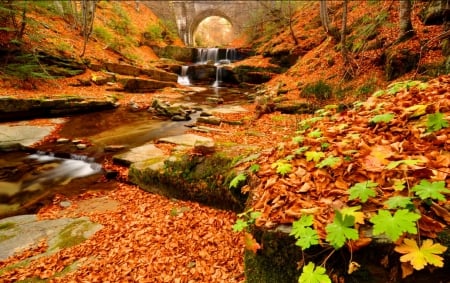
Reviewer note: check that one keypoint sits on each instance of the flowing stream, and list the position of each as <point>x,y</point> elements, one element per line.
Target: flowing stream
<point>29,180</point>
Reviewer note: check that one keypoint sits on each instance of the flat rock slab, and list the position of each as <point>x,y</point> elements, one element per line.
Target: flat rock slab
<point>187,140</point>
<point>138,154</point>
<point>229,109</point>
<point>22,232</point>
<point>26,135</point>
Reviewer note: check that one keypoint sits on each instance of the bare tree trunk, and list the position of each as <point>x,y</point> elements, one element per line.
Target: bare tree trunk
<point>290,24</point>
<point>406,28</point>
<point>348,71</point>
<point>88,15</point>
<point>324,15</point>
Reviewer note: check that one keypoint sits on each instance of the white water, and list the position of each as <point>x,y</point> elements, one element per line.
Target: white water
<point>183,78</point>
<point>218,76</point>
<point>66,169</point>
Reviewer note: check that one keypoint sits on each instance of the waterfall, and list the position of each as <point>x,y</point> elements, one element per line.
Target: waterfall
<point>205,55</point>
<point>183,78</point>
<point>230,54</point>
<point>218,76</point>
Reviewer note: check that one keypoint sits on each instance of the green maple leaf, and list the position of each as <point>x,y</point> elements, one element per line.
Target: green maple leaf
<point>394,226</point>
<point>241,177</point>
<point>363,191</point>
<point>398,202</point>
<point>298,139</point>
<point>315,134</point>
<point>436,121</point>
<point>240,225</point>
<point>432,190</point>
<point>301,150</point>
<point>254,168</point>
<point>408,162</point>
<point>314,156</point>
<point>341,230</point>
<point>330,161</point>
<point>282,166</point>
<point>313,274</point>
<point>382,118</point>
<point>305,235</point>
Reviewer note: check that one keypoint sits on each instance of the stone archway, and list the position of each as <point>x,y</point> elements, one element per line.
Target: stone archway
<point>200,17</point>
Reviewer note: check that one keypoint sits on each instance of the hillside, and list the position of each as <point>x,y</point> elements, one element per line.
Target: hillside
<point>378,145</point>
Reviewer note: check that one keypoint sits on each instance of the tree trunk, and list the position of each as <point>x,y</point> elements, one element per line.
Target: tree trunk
<point>291,29</point>
<point>348,72</point>
<point>324,15</point>
<point>88,14</point>
<point>406,28</point>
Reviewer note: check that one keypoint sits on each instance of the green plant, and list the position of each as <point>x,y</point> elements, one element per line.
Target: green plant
<point>237,180</point>
<point>363,191</point>
<point>154,31</point>
<point>282,166</point>
<point>436,121</point>
<point>320,90</point>
<point>245,219</point>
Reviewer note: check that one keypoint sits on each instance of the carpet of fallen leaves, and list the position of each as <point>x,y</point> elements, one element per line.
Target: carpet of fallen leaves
<point>363,150</point>
<point>147,238</point>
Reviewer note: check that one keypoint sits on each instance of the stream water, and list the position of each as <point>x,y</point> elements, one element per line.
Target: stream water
<point>29,180</point>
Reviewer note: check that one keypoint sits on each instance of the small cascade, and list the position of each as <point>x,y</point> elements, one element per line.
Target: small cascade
<point>205,55</point>
<point>218,76</point>
<point>183,78</point>
<point>230,54</point>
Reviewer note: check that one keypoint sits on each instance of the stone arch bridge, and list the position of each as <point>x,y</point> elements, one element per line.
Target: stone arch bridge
<point>189,14</point>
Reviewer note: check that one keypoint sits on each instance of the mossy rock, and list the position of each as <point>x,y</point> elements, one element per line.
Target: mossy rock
<point>399,62</point>
<point>204,179</point>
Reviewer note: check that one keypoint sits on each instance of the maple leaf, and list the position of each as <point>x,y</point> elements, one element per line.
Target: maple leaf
<point>382,118</point>
<point>417,110</point>
<point>363,191</point>
<point>241,177</point>
<point>313,274</point>
<point>408,162</point>
<point>282,166</point>
<point>394,226</point>
<point>314,156</point>
<point>301,150</point>
<point>315,134</point>
<point>398,202</point>
<point>436,121</point>
<point>330,161</point>
<point>434,190</point>
<point>254,168</point>
<point>341,230</point>
<point>352,210</point>
<point>240,225</point>
<point>305,235</point>
<point>428,253</point>
<point>250,243</point>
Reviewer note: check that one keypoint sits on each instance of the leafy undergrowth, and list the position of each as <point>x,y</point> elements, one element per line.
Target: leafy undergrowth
<point>148,238</point>
<point>383,166</point>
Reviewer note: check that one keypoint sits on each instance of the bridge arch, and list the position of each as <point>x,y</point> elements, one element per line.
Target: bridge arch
<point>200,17</point>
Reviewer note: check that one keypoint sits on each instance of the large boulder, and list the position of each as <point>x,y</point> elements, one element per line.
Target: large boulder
<point>434,12</point>
<point>178,53</point>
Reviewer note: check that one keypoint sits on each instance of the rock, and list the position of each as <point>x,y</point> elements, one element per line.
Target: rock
<point>212,120</point>
<point>81,146</point>
<point>111,174</point>
<point>183,54</point>
<point>65,204</point>
<point>180,118</point>
<point>160,75</point>
<point>434,12</point>
<point>102,80</point>
<point>205,114</point>
<point>123,69</point>
<point>26,231</point>
<point>62,140</point>
<point>112,148</point>
<point>15,108</point>
<point>141,153</point>
<point>137,85</point>
<point>399,62</point>
<point>204,147</point>
<point>77,141</point>
<point>24,135</point>
<point>186,139</point>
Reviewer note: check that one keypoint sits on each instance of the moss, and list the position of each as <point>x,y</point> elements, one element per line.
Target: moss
<point>72,234</point>
<point>196,178</point>
<point>275,262</point>
<point>7,226</point>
